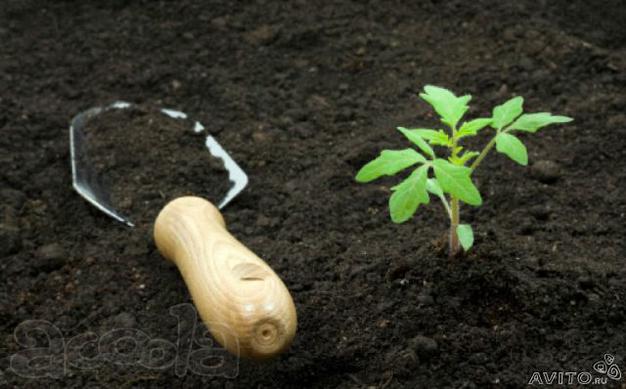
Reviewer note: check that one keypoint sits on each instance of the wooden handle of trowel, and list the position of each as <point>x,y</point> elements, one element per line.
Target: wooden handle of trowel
<point>245,305</point>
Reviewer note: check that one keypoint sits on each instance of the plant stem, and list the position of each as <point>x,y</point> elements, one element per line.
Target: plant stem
<point>446,206</point>
<point>483,153</point>
<point>455,218</point>
<point>455,210</point>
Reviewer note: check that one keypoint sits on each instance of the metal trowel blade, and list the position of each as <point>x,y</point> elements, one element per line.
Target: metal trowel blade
<point>89,185</point>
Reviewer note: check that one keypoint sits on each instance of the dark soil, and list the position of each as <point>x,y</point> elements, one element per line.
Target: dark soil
<point>144,159</point>
<point>303,94</point>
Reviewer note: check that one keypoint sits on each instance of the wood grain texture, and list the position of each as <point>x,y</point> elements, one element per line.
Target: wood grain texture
<point>245,305</point>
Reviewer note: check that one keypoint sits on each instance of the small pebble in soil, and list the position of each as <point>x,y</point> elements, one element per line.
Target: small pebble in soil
<point>405,361</point>
<point>547,172</point>
<point>424,346</point>
<point>12,200</point>
<point>398,269</point>
<point>124,320</point>
<point>594,298</point>
<point>465,385</point>
<point>49,257</point>
<point>526,226</point>
<point>478,358</point>
<point>617,121</point>
<point>425,299</point>
<point>262,35</point>
<point>263,221</point>
<point>509,34</point>
<point>540,212</point>
<point>534,261</point>
<point>219,22</point>
<point>260,136</point>
<point>585,282</point>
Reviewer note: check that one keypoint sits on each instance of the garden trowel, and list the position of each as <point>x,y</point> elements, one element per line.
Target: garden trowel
<point>244,304</point>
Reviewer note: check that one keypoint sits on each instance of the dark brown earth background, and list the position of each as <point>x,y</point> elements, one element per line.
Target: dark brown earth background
<point>303,94</point>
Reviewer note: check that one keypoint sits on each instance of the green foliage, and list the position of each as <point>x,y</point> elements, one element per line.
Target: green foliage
<point>472,127</point>
<point>531,122</point>
<point>408,195</point>
<point>416,138</point>
<point>434,137</point>
<point>450,178</point>
<point>450,107</point>
<point>389,163</point>
<point>511,146</point>
<point>466,235</point>
<point>457,181</point>
<point>433,187</point>
<point>507,112</point>
<point>461,160</point>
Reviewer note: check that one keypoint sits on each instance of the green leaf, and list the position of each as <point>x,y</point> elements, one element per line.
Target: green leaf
<point>450,107</point>
<point>531,122</point>
<point>462,160</point>
<point>414,137</point>
<point>466,236</point>
<point>433,187</point>
<point>457,181</point>
<point>507,112</point>
<point>513,147</point>
<point>434,137</point>
<point>408,195</point>
<point>472,127</point>
<point>389,163</point>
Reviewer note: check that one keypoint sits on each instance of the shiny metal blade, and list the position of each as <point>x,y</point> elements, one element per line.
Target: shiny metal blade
<point>91,187</point>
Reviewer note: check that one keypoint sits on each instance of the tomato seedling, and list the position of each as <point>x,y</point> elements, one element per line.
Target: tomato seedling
<point>450,178</point>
